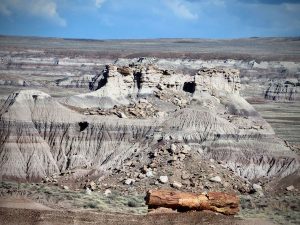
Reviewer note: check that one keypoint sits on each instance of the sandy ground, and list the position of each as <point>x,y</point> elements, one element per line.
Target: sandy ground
<point>22,211</point>
<point>21,203</point>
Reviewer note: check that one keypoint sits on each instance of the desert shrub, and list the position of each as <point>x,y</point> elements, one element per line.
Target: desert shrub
<point>47,192</point>
<point>68,197</point>
<point>132,203</point>
<point>113,196</point>
<point>52,195</point>
<point>91,205</point>
<point>7,185</point>
<point>135,202</point>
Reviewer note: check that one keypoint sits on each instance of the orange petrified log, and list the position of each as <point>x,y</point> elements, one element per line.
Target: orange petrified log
<point>227,204</point>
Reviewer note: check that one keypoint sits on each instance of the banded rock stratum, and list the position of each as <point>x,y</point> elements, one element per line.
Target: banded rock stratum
<point>41,135</point>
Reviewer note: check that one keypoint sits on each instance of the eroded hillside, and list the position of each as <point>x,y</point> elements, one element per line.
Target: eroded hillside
<point>41,136</point>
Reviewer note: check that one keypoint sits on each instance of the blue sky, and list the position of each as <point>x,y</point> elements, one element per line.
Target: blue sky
<point>121,19</point>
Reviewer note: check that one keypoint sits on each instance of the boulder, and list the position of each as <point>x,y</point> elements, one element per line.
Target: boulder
<point>185,176</point>
<point>290,188</point>
<point>88,191</point>
<point>216,179</point>
<point>181,157</point>
<point>129,181</point>
<point>92,185</point>
<point>141,176</point>
<point>149,173</point>
<point>176,184</point>
<point>163,179</point>
<point>173,148</point>
<point>107,192</point>
<point>257,187</point>
<point>185,149</point>
<point>174,158</point>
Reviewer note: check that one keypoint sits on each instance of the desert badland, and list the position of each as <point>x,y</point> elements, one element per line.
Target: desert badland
<point>87,127</point>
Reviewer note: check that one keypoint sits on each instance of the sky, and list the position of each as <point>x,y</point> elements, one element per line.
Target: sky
<point>140,19</point>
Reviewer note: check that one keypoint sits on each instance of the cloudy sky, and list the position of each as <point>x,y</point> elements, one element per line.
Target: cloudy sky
<point>114,19</point>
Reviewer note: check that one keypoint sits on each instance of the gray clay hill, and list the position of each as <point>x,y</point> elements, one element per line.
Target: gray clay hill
<point>122,117</point>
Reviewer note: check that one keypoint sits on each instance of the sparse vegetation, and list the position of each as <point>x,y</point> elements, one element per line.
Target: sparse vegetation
<point>57,197</point>
<point>282,209</point>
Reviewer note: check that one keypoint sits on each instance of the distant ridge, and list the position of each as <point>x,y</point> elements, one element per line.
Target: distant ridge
<point>254,48</point>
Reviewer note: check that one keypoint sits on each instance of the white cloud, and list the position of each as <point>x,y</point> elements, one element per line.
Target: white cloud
<point>98,3</point>
<point>180,9</point>
<point>40,8</point>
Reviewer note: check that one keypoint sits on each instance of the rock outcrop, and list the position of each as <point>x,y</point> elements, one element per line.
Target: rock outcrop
<point>119,85</point>
<point>283,91</point>
<point>40,136</point>
<point>217,80</point>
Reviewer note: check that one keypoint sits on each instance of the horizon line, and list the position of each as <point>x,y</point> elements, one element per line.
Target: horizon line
<point>157,38</point>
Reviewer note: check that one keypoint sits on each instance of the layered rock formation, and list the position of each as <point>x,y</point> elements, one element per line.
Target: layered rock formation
<point>119,85</point>
<point>283,91</point>
<point>40,136</point>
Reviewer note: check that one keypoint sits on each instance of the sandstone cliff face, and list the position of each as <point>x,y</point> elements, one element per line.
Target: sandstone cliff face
<point>119,85</point>
<point>218,80</point>
<point>40,136</point>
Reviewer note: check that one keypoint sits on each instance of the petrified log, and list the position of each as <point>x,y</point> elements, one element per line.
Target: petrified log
<point>227,204</point>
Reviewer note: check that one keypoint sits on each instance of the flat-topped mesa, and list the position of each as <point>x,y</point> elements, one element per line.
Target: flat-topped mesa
<point>212,80</point>
<point>145,78</point>
<point>203,110</point>
<point>116,84</point>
